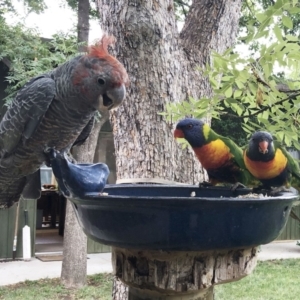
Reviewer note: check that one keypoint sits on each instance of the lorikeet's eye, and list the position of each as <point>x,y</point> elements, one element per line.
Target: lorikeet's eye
<point>101,81</point>
<point>189,126</point>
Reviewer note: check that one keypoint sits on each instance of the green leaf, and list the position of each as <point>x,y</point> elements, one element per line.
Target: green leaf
<point>291,38</point>
<point>261,17</point>
<point>228,92</point>
<point>240,84</point>
<point>261,33</point>
<point>295,9</point>
<point>227,78</point>
<point>237,93</point>
<point>278,32</point>
<point>287,140</point>
<point>265,115</point>
<point>287,22</point>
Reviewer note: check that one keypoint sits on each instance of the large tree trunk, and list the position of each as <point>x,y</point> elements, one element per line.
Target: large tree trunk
<point>162,66</point>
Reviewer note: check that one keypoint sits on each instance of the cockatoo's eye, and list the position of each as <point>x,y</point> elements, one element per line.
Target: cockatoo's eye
<point>101,81</point>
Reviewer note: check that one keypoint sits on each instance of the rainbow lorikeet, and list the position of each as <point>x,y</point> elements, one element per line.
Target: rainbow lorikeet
<point>270,163</point>
<point>220,156</point>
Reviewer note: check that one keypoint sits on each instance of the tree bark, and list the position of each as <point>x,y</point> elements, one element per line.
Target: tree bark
<point>83,25</point>
<point>191,275</point>
<point>163,66</point>
<point>86,152</point>
<point>74,265</point>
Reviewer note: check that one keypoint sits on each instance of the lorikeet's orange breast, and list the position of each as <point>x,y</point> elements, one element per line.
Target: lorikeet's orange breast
<point>213,155</point>
<point>269,169</point>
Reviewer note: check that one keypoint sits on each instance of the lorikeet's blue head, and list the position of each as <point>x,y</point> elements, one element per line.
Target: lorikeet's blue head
<point>261,146</point>
<point>191,130</point>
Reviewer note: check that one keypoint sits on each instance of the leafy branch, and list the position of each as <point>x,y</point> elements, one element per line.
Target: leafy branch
<point>260,111</point>
<point>251,88</point>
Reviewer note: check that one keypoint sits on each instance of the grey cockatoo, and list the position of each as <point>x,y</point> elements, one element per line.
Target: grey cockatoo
<point>55,110</point>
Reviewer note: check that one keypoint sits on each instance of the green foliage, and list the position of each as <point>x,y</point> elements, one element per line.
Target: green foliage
<point>6,6</point>
<point>39,6</point>
<point>249,15</point>
<point>36,6</point>
<point>181,8</point>
<point>30,55</point>
<point>230,127</point>
<point>249,87</point>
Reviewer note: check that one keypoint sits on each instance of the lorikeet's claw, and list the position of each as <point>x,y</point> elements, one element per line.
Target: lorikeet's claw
<point>260,190</point>
<point>237,185</point>
<point>275,191</point>
<point>269,190</point>
<point>204,184</point>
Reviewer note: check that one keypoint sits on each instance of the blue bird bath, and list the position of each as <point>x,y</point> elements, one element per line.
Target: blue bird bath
<point>182,218</point>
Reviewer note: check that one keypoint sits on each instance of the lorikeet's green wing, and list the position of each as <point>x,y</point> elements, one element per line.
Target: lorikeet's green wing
<point>245,176</point>
<point>294,169</point>
<point>235,150</point>
<point>293,165</point>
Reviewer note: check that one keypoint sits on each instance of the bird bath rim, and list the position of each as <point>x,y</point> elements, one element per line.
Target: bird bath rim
<point>182,223</point>
<point>96,198</point>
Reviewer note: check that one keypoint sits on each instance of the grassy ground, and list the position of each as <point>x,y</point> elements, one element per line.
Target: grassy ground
<point>272,280</point>
<point>99,287</point>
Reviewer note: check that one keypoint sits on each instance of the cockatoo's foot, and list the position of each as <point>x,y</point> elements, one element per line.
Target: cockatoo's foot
<point>71,158</point>
<point>49,154</point>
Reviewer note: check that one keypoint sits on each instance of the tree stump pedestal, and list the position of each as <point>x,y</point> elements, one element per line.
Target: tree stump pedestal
<point>180,275</point>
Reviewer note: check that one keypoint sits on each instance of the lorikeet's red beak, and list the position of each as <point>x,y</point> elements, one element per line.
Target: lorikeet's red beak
<point>263,147</point>
<point>178,133</point>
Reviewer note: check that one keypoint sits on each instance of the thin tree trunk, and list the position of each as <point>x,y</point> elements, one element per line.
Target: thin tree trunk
<point>86,152</point>
<point>83,25</point>
<point>163,68</point>
<point>74,265</point>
